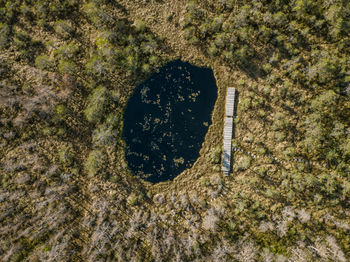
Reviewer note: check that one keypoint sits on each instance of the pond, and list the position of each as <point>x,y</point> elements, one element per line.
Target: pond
<point>166,120</point>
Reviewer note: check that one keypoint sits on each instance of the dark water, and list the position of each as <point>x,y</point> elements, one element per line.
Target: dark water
<point>166,120</point>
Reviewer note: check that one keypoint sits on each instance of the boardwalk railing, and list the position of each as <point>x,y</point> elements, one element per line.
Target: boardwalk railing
<point>228,128</point>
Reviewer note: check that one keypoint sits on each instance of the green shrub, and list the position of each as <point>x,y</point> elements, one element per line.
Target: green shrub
<point>153,60</point>
<point>216,155</point>
<point>5,31</point>
<point>97,103</point>
<point>67,67</point>
<point>241,55</point>
<point>279,136</point>
<point>134,199</point>
<point>205,182</point>
<point>262,171</point>
<point>94,162</point>
<point>146,68</point>
<point>64,29</point>
<point>43,62</point>
<point>261,150</point>
<point>280,122</point>
<point>97,16</point>
<point>212,50</point>
<point>21,40</point>
<point>105,135</point>
<point>67,52</point>
<point>61,113</point>
<point>66,155</point>
<point>189,32</point>
<point>289,152</point>
<point>139,26</point>
<point>245,103</point>
<point>96,66</point>
<point>243,163</point>
<point>228,55</point>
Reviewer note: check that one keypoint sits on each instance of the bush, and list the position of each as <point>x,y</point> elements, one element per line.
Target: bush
<point>139,26</point>
<point>213,51</point>
<point>289,152</point>
<point>216,155</point>
<point>153,60</point>
<point>261,150</point>
<point>279,136</point>
<point>43,62</point>
<point>189,32</point>
<point>133,199</point>
<point>67,52</point>
<point>64,29</point>
<point>66,155</point>
<point>243,163</point>
<point>241,55</point>
<point>97,17</point>
<point>205,182</point>
<point>61,113</point>
<point>4,35</point>
<point>94,162</point>
<point>21,40</point>
<point>96,66</point>
<point>280,122</point>
<point>146,68</point>
<point>105,135</point>
<point>67,67</point>
<point>97,103</point>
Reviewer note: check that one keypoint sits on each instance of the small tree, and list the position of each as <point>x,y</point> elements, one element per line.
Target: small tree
<point>67,67</point>
<point>97,103</point>
<point>94,162</point>
<point>67,52</point>
<point>64,29</point>
<point>4,35</point>
<point>139,26</point>
<point>244,163</point>
<point>66,155</point>
<point>43,62</point>
<point>96,66</point>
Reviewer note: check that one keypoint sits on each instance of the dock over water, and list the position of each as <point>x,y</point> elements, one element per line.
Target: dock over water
<point>228,130</point>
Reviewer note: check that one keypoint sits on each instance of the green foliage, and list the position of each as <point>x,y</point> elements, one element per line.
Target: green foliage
<point>67,51</point>
<point>97,16</point>
<point>107,134</point>
<point>64,29</point>
<point>189,32</point>
<point>280,122</point>
<point>43,62</point>
<point>139,26</point>
<point>213,51</point>
<point>5,31</point>
<point>289,152</point>
<point>97,104</point>
<point>67,67</point>
<point>21,40</point>
<point>95,162</point>
<point>66,155</point>
<point>97,66</point>
<point>243,163</point>
<point>61,113</point>
<point>205,182</point>
<point>133,199</point>
<point>216,155</point>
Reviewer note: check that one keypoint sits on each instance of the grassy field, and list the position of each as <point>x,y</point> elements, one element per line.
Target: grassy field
<point>67,70</point>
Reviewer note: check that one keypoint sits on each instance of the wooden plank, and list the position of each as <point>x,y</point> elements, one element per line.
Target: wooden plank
<point>228,130</point>
<point>230,101</point>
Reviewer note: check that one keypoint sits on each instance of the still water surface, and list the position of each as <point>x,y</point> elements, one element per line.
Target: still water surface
<point>166,120</point>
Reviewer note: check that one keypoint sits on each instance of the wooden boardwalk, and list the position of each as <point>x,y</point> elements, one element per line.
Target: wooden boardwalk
<point>228,130</point>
